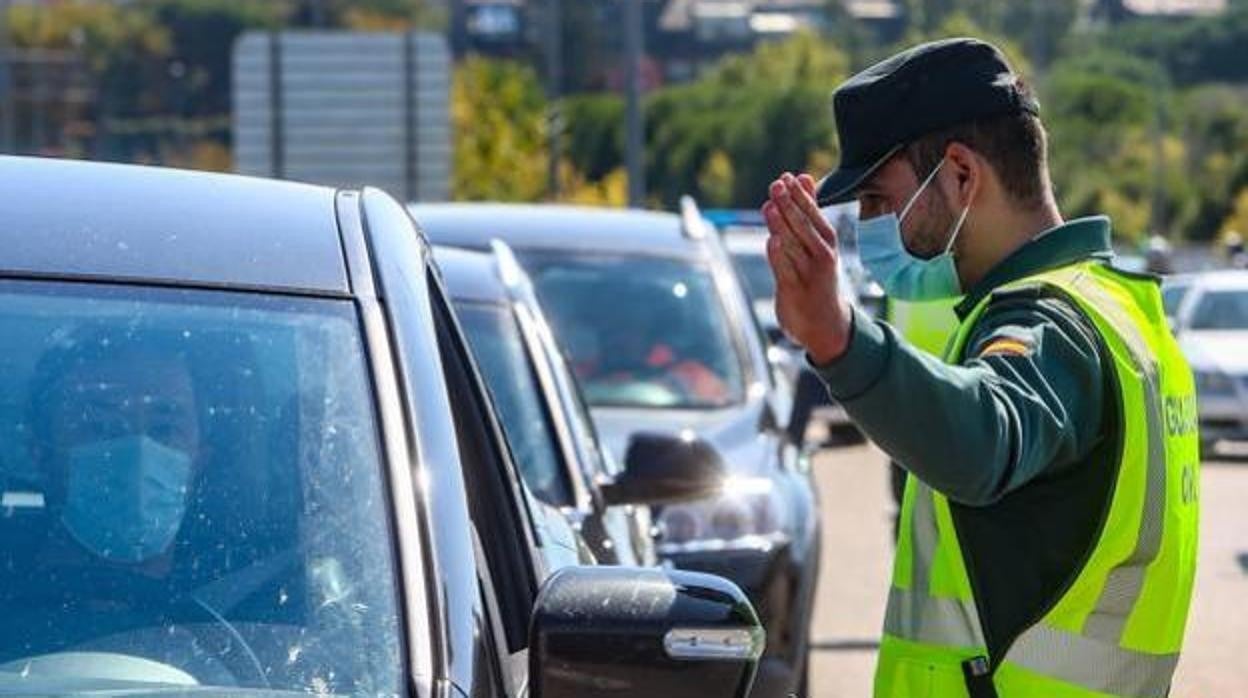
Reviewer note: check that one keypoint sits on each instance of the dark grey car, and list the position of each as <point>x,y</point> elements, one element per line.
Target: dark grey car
<point>662,338</point>
<point>544,415</point>
<point>244,451</point>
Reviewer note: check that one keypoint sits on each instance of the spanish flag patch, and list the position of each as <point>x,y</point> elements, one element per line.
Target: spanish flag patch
<point>1006,346</point>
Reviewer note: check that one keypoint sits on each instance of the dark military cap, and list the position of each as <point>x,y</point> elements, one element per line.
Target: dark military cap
<point>920,91</point>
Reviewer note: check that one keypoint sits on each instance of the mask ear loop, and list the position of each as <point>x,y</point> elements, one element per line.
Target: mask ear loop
<point>957,229</point>
<point>910,204</point>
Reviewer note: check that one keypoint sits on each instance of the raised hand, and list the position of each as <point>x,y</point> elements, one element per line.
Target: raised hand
<point>803,255</point>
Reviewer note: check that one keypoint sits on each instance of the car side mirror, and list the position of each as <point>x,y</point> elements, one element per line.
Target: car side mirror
<point>666,469</point>
<point>642,633</point>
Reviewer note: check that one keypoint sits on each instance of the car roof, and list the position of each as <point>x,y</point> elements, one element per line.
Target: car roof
<point>746,241</point>
<point>470,275</point>
<point>64,218</point>
<point>555,227</point>
<point>1222,280</point>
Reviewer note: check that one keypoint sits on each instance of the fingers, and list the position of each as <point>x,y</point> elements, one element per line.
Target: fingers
<point>811,209</point>
<point>783,194</point>
<point>807,182</point>
<point>789,252</point>
<point>790,269</point>
<point>798,207</point>
<point>781,265</point>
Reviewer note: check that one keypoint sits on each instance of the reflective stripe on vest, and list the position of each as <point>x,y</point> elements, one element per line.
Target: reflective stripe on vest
<point>1047,660</point>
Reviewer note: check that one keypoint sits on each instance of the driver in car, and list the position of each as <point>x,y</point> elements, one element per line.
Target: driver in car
<point>116,440</point>
<point>641,349</point>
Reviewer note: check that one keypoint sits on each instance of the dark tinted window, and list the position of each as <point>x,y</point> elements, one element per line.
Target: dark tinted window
<point>499,349</point>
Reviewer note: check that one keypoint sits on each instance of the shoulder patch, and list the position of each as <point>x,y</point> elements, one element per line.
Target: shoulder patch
<point>1007,346</point>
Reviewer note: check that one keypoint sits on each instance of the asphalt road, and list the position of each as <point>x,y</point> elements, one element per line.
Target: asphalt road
<point>857,561</point>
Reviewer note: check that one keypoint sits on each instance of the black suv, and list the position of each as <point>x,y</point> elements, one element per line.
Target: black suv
<point>243,450</point>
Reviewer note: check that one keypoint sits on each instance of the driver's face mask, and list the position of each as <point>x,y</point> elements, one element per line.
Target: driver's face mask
<point>125,497</point>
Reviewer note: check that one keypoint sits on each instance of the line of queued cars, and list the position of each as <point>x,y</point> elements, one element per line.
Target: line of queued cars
<point>660,336</point>
<point>265,438</point>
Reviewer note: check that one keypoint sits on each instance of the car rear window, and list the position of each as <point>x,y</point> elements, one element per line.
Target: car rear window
<point>191,494</point>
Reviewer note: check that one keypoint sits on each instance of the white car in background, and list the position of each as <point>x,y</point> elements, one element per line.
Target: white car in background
<point>1211,322</point>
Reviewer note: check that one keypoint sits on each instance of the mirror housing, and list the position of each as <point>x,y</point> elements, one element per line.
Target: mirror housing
<point>666,469</point>
<point>642,633</point>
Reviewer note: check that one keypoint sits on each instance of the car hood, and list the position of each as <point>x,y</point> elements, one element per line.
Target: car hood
<point>735,432</point>
<point>1221,350</point>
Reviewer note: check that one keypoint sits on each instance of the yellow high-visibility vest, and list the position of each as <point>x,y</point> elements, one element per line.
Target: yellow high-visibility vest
<point>1117,629</point>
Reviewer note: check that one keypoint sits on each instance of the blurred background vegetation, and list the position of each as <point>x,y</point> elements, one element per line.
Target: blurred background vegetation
<point>1148,117</point>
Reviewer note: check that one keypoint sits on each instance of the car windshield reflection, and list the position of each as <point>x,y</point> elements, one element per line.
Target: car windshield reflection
<point>191,495</point>
<point>640,331</point>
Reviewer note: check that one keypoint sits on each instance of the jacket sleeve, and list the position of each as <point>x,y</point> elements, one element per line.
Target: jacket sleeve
<point>1026,400</point>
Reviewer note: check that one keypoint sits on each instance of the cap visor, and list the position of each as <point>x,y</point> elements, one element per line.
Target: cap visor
<point>842,185</point>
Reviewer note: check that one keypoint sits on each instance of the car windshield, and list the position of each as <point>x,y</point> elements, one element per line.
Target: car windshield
<point>191,495</point>
<point>1221,310</point>
<point>641,331</point>
<point>498,347</point>
<point>760,283</point>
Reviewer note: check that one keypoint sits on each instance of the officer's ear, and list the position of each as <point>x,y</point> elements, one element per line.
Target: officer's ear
<point>965,174</point>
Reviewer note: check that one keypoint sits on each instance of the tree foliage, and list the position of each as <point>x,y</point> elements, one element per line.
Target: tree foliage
<point>1148,118</point>
<point>725,136</point>
<point>499,120</point>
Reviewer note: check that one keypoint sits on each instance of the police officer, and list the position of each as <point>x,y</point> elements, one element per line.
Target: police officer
<point>1049,524</point>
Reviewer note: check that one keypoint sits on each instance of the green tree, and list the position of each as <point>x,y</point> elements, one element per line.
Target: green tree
<point>716,180</point>
<point>499,120</point>
<point>201,39</point>
<point>1237,217</point>
<point>124,54</point>
<point>1040,27</point>
<point>766,112</point>
<point>724,137</point>
<point>1104,113</point>
<point>594,137</point>
<point>1214,124</point>
<point>964,24</point>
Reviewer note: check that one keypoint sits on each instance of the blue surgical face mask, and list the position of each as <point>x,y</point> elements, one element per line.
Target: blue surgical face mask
<point>903,275</point>
<point>125,498</point>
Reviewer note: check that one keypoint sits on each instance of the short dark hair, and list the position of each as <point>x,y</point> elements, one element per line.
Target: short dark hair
<point>1014,144</point>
